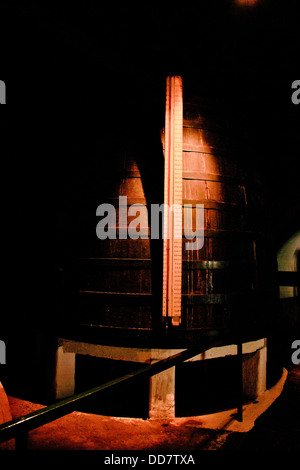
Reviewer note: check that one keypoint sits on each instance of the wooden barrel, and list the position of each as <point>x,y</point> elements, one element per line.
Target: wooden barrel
<point>120,280</point>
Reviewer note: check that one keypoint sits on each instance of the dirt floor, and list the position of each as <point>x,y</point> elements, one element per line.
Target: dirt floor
<point>277,427</point>
<point>81,431</point>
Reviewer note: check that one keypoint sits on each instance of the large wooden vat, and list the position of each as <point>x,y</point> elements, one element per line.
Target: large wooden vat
<point>119,281</point>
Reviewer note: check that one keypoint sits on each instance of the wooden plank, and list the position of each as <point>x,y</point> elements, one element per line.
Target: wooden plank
<point>198,175</point>
<point>113,263</point>
<point>199,299</point>
<point>172,247</point>
<point>206,264</point>
<point>108,299</point>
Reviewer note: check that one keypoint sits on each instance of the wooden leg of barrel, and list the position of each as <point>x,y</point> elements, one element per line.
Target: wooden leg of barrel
<point>162,395</point>
<point>65,374</point>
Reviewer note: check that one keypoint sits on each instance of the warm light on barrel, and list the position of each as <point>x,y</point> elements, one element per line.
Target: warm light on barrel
<point>172,258</point>
<point>247,2</point>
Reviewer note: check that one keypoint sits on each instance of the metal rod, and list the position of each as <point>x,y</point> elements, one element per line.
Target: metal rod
<point>19,427</point>
<point>240,381</point>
